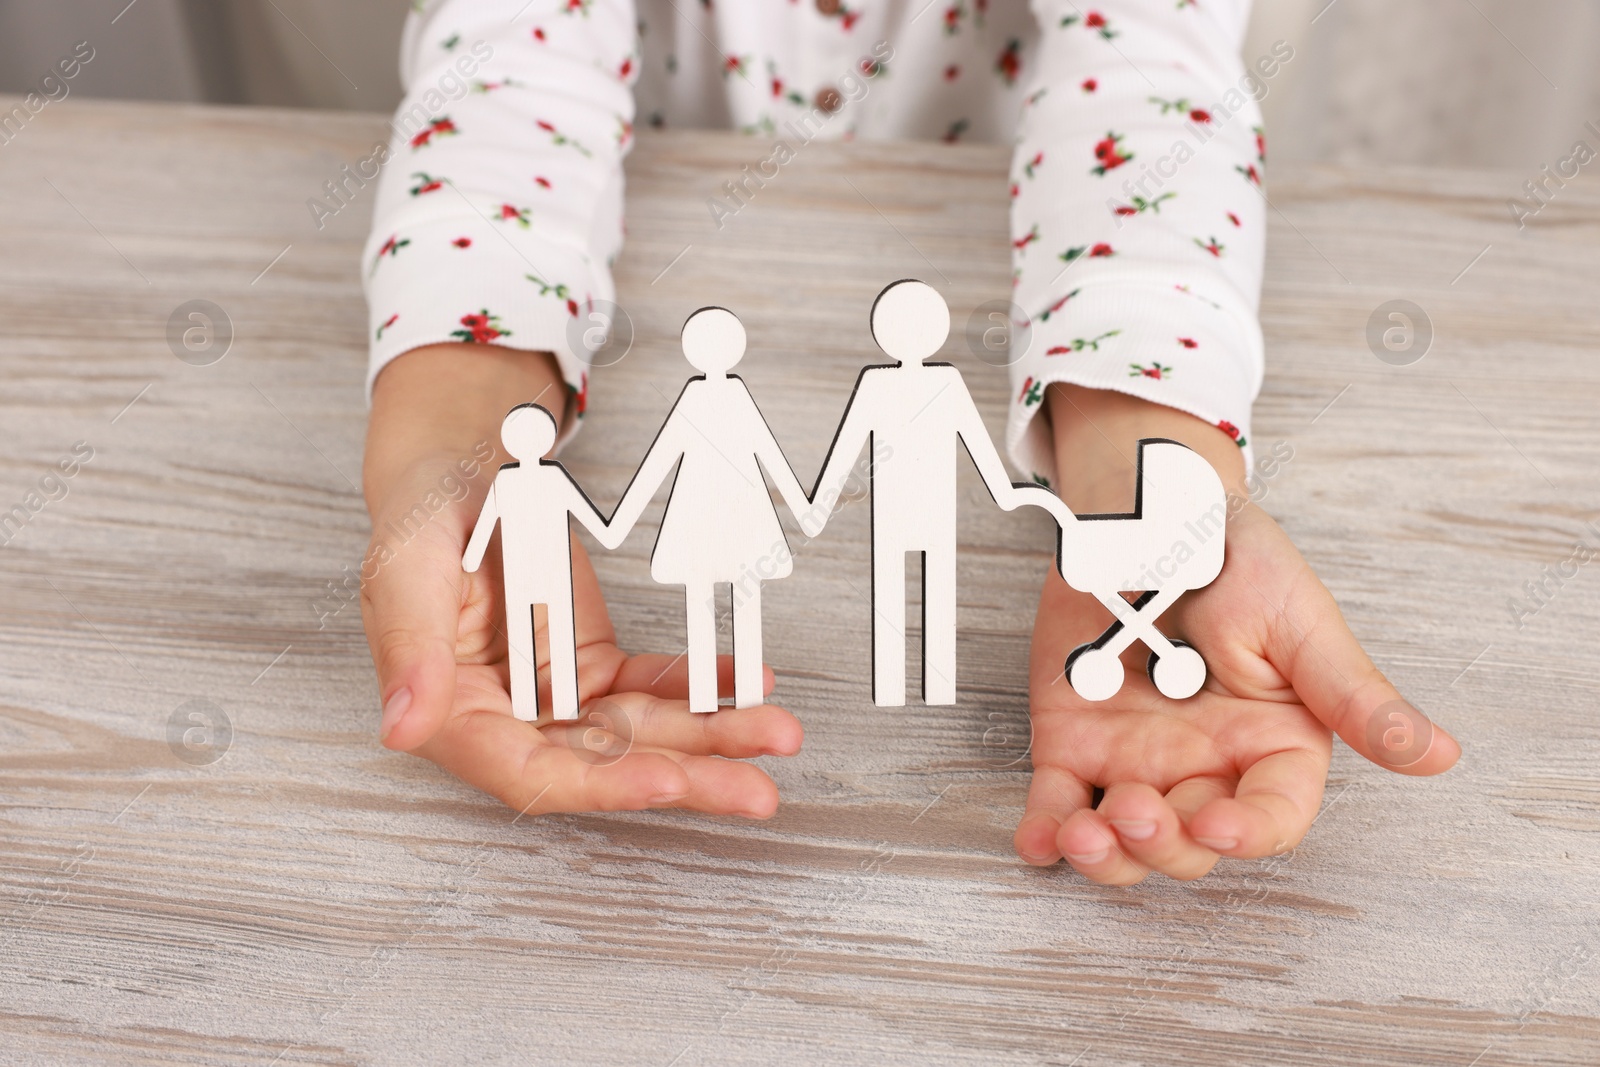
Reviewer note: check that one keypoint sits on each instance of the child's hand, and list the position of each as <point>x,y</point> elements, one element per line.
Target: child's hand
<point>1238,769</point>
<point>437,633</point>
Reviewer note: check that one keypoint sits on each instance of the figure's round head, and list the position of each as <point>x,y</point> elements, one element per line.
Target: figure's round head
<point>713,341</point>
<point>528,432</point>
<point>910,321</point>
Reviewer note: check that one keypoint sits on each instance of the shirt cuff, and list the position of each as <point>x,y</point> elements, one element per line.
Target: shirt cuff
<point>1172,346</point>
<point>461,280</point>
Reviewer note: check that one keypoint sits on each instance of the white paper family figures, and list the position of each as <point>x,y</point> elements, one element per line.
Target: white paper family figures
<point>910,414</point>
<point>1170,543</point>
<point>720,525</point>
<point>532,499</point>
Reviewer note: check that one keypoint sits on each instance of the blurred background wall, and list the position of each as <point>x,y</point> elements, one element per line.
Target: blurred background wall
<point>1493,83</point>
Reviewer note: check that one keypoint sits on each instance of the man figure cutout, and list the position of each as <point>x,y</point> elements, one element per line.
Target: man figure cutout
<point>532,500</point>
<point>909,414</point>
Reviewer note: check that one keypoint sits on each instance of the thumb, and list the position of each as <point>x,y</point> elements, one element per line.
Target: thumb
<point>1343,688</point>
<point>412,609</point>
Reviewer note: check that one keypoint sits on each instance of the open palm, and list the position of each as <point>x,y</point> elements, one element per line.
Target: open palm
<point>438,638</point>
<point>1238,769</point>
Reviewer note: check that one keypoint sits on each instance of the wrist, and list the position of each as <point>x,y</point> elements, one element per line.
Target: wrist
<point>1095,434</point>
<point>440,403</point>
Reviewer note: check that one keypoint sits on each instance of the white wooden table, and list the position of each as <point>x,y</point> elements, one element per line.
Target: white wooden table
<point>311,898</point>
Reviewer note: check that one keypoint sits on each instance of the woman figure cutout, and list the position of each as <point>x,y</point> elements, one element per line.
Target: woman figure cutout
<point>720,525</point>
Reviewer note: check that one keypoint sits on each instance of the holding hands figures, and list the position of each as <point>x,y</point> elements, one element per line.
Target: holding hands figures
<point>1235,769</point>
<point>720,526</point>
<point>439,640</point>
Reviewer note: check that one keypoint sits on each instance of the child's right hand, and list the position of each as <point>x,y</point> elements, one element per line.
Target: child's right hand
<point>1238,769</point>
<point>437,633</point>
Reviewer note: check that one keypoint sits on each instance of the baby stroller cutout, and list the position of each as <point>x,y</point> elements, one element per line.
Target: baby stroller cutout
<point>1170,543</point>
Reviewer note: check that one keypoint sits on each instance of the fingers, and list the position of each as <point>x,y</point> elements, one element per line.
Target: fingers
<point>536,774</point>
<point>1059,823</point>
<point>727,787</point>
<point>412,610</point>
<point>1270,811</point>
<point>1053,796</point>
<point>1151,832</point>
<point>1342,687</point>
<point>643,720</point>
<point>1090,844</point>
<point>1135,830</point>
<point>668,676</point>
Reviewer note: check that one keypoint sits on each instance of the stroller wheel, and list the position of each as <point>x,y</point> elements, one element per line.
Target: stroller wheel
<point>1180,674</point>
<point>1094,673</point>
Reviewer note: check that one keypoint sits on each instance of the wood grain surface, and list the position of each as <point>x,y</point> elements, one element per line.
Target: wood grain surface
<point>309,897</point>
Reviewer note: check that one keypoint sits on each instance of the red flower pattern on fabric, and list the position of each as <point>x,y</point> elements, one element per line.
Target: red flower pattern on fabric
<point>480,328</point>
<point>440,127</point>
<point>1108,150</point>
<point>1009,63</point>
<point>426,183</point>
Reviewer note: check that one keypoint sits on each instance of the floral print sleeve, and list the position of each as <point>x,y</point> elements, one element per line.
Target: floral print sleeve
<point>1137,217</point>
<point>1137,223</point>
<point>500,205</point>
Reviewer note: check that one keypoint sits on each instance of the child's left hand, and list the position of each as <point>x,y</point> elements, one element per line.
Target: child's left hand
<point>438,639</point>
<point>1236,770</point>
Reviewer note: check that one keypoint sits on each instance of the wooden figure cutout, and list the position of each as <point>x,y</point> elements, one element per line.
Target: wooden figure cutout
<point>909,415</point>
<point>532,499</point>
<point>1170,543</point>
<point>720,526</point>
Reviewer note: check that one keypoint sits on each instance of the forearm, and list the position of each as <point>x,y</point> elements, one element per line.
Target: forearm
<point>1095,433</point>
<point>440,402</point>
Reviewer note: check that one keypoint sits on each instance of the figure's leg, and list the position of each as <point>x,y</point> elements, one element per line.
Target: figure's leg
<point>939,625</point>
<point>888,626</point>
<point>747,674</point>
<point>1138,620</point>
<point>559,626</point>
<point>520,654</point>
<point>700,611</point>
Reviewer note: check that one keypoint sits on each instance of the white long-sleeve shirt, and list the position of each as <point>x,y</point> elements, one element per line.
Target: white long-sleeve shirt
<point>1137,222</point>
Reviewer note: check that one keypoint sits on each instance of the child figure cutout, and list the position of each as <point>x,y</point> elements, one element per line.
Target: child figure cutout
<point>914,411</point>
<point>720,526</point>
<point>532,500</point>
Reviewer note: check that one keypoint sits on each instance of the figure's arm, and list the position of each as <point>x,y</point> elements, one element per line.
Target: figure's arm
<point>980,446</point>
<point>776,464</point>
<point>1040,497</point>
<point>653,470</point>
<point>582,508</point>
<point>848,441</point>
<point>479,544</point>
